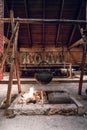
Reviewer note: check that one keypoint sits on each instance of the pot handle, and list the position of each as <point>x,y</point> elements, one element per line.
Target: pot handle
<point>43,62</point>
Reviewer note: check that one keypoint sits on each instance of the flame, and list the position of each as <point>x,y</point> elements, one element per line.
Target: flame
<point>31,92</point>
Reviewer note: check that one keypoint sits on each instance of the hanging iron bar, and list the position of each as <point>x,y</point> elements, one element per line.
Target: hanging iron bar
<point>41,21</point>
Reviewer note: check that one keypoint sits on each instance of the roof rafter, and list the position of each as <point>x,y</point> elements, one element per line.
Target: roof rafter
<point>58,27</point>
<point>79,42</point>
<point>28,26</point>
<point>74,28</point>
<point>43,26</point>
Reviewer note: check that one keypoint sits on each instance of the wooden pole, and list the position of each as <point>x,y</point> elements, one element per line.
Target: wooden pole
<point>84,36</point>
<point>16,61</point>
<point>11,66</point>
<point>72,56</point>
<point>18,74</point>
<point>79,42</point>
<point>41,21</point>
<point>8,47</point>
<point>83,60</point>
<point>82,70</point>
<point>8,101</point>
<point>13,51</point>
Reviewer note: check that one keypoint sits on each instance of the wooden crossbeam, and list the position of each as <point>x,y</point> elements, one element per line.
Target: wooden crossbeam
<point>41,21</point>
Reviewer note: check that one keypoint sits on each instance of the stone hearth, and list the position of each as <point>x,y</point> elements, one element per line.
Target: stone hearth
<point>45,103</point>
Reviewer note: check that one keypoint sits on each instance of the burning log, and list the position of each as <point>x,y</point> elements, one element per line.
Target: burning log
<point>33,96</point>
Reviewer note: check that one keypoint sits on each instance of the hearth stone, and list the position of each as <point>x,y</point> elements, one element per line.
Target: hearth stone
<point>59,106</point>
<point>59,97</point>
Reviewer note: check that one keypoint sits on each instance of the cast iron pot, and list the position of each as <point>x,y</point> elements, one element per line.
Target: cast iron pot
<point>44,76</point>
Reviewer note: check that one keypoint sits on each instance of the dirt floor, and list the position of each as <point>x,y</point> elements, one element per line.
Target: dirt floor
<point>54,122</point>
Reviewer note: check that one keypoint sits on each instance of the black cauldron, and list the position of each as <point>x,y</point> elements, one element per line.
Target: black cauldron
<point>44,76</point>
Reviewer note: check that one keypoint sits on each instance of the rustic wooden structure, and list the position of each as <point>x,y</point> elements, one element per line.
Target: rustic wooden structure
<point>14,37</point>
<point>14,63</point>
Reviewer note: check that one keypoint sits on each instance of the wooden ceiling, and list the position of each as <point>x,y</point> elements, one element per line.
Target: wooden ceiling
<point>46,35</point>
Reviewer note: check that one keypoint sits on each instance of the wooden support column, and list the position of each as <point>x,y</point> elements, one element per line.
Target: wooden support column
<point>8,101</point>
<point>13,51</point>
<point>82,70</point>
<point>16,61</point>
<point>84,36</point>
<point>11,66</point>
<point>13,63</point>
<point>83,60</point>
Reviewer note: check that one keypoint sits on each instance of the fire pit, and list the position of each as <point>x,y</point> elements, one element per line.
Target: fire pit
<point>39,102</point>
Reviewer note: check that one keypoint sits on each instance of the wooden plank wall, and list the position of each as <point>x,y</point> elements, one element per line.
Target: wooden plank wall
<point>73,56</point>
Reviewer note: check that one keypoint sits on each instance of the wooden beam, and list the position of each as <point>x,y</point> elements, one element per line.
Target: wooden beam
<point>82,70</point>
<point>58,26</point>
<point>80,41</point>
<point>74,28</point>
<point>8,101</point>
<point>28,25</point>
<point>16,61</point>
<point>72,56</point>
<point>12,27</point>
<point>45,21</point>
<point>84,36</point>
<point>8,47</point>
<point>43,26</point>
<point>12,20</point>
<point>18,73</point>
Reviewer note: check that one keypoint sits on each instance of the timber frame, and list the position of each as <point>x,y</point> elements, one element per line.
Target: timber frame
<point>15,22</point>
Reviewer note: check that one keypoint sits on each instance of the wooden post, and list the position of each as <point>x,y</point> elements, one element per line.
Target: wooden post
<point>8,102</point>
<point>83,61</point>
<point>82,69</point>
<point>11,67</point>
<point>16,61</point>
<point>70,70</point>
<point>13,51</point>
<point>18,75</point>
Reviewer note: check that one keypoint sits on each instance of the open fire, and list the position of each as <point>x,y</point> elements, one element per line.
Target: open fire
<point>33,96</point>
<point>44,97</point>
<point>40,102</point>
